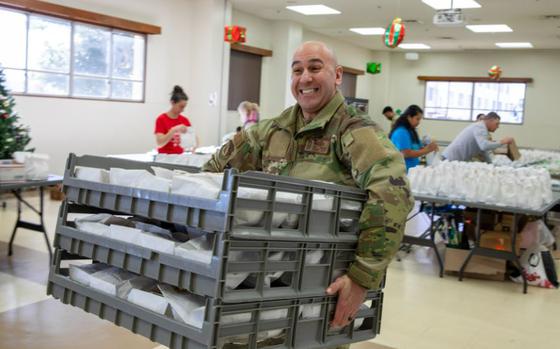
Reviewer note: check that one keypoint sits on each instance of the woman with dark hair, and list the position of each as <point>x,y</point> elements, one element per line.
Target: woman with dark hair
<point>171,125</point>
<point>404,136</point>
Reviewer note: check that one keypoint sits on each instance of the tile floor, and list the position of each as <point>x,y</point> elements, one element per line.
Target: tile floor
<point>420,310</point>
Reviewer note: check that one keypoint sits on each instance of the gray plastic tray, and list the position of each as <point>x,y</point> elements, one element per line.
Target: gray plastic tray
<point>219,215</point>
<point>301,278</point>
<point>297,333</point>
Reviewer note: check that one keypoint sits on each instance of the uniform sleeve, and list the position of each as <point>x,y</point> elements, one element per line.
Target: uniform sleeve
<point>160,126</point>
<point>243,152</point>
<point>378,168</point>
<point>401,140</point>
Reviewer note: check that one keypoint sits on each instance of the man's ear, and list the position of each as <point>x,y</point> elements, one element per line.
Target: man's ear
<point>338,72</point>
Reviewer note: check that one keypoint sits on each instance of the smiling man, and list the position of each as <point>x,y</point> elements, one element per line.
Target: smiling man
<point>319,139</point>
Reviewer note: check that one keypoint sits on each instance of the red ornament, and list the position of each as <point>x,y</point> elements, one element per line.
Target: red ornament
<point>495,72</point>
<point>234,33</point>
<point>394,33</point>
<point>4,116</point>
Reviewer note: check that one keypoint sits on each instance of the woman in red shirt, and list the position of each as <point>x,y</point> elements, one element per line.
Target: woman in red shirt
<point>170,125</point>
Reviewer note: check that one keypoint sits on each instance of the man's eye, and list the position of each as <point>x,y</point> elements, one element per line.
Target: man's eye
<point>297,71</point>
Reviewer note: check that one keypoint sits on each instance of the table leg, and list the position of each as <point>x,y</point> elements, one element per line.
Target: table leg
<point>433,239</point>
<point>515,257</point>
<point>27,225</point>
<point>476,244</point>
<point>41,212</point>
<point>16,193</point>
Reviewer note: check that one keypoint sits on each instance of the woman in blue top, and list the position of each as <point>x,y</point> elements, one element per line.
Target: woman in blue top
<point>404,136</point>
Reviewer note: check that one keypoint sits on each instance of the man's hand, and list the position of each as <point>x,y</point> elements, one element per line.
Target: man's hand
<point>506,140</point>
<point>350,297</point>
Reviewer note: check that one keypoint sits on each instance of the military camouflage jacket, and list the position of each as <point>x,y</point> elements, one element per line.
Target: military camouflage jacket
<point>340,148</point>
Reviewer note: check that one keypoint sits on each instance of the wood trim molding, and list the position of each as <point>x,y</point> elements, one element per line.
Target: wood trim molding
<point>473,79</point>
<point>46,8</point>
<point>251,49</point>
<point>352,70</point>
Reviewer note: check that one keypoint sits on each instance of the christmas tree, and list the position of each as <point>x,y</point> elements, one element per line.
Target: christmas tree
<point>13,136</point>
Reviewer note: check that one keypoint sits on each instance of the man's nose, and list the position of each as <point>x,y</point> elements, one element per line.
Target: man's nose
<point>306,76</point>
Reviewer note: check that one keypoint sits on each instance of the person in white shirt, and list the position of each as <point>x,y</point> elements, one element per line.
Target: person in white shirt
<point>474,141</point>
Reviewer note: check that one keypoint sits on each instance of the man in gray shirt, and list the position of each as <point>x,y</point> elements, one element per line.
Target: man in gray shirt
<point>475,140</point>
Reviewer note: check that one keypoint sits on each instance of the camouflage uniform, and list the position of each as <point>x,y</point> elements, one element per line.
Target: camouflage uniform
<point>340,148</point>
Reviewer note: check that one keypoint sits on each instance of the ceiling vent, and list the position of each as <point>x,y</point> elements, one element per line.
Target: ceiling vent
<point>449,18</point>
<point>412,21</point>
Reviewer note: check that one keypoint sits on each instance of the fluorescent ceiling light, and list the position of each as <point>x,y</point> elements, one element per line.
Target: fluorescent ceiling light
<point>446,4</point>
<point>368,31</point>
<point>415,46</point>
<point>514,44</point>
<point>313,10</point>
<point>489,28</point>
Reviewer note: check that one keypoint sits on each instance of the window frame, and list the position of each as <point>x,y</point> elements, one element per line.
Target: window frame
<point>475,81</point>
<point>71,74</point>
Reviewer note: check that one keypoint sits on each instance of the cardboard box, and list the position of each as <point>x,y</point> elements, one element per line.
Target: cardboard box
<point>506,222</point>
<point>56,193</point>
<point>479,267</point>
<point>511,151</point>
<point>499,240</point>
<point>11,172</point>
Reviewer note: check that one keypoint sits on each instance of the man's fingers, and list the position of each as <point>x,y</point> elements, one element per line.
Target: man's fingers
<point>341,314</point>
<point>335,286</point>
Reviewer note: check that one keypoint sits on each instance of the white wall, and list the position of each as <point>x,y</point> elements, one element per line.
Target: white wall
<point>188,52</point>
<point>372,87</point>
<point>282,38</point>
<point>541,124</point>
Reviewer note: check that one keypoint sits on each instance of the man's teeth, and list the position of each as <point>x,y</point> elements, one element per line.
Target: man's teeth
<point>307,91</point>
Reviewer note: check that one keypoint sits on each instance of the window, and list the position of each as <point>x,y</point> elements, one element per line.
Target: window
<point>54,57</point>
<point>454,100</point>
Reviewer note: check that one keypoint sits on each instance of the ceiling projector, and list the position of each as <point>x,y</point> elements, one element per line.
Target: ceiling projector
<point>449,17</point>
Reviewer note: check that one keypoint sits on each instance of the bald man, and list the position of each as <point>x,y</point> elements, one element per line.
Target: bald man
<point>318,138</point>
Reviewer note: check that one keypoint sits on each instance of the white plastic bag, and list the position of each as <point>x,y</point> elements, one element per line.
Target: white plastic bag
<point>82,273</point>
<point>126,178</point>
<point>37,166</point>
<point>186,307</point>
<point>533,268</point>
<point>198,249</point>
<point>188,139</point>
<point>148,300</point>
<point>250,217</point>
<point>151,182</point>
<point>92,174</point>
<point>117,282</point>
<point>163,172</point>
<point>203,185</point>
<point>94,224</point>
<point>233,280</point>
<point>125,234</point>
<point>156,242</point>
